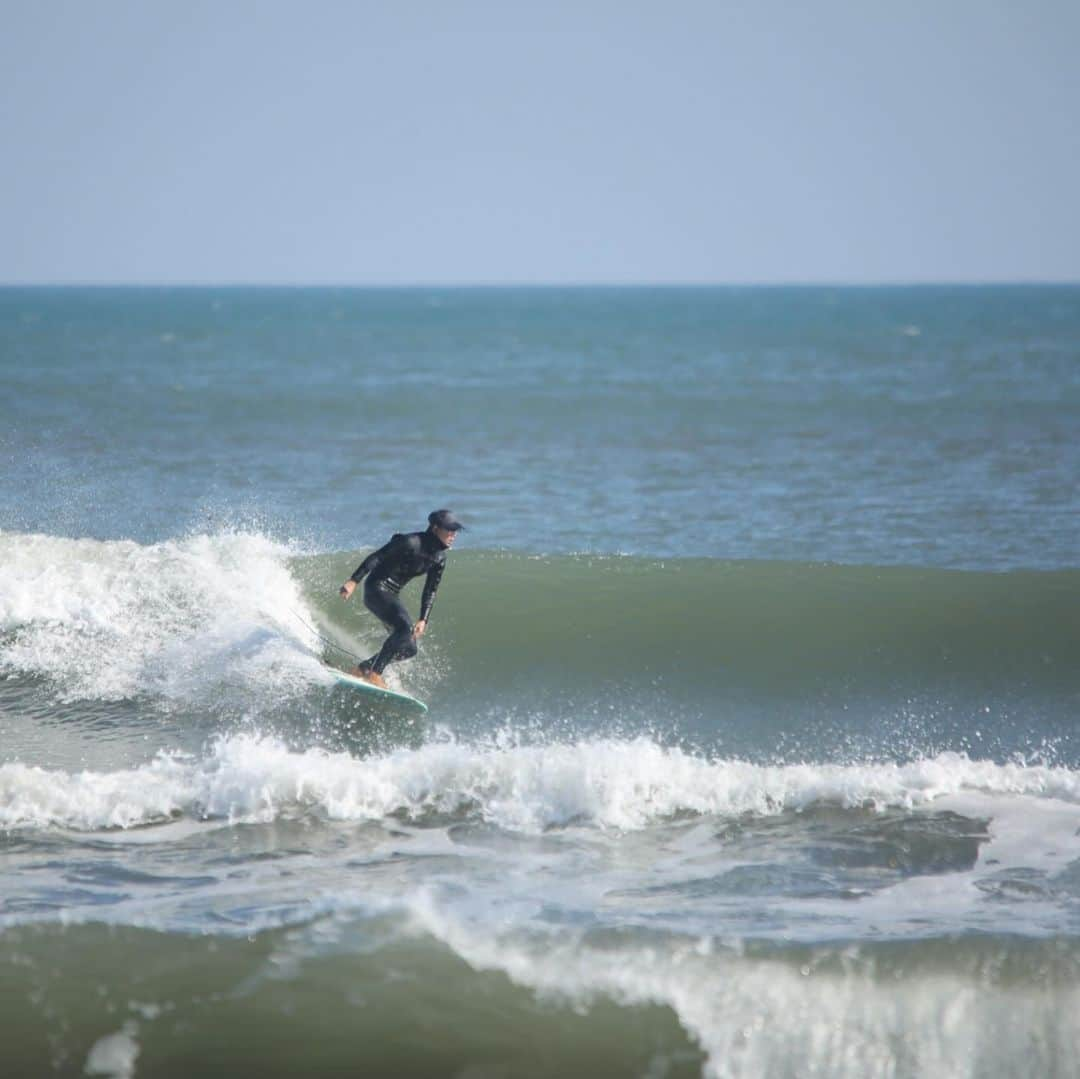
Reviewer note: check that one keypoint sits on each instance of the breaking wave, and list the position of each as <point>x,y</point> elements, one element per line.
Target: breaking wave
<point>602,783</point>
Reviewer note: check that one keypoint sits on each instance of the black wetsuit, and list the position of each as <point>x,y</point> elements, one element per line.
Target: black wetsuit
<point>388,570</point>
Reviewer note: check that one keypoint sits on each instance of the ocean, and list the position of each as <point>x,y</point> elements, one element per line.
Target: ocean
<point>754,683</point>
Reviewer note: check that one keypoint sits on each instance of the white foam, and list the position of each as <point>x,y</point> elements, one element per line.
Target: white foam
<point>762,1017</point>
<point>115,1054</point>
<point>112,620</point>
<point>605,783</point>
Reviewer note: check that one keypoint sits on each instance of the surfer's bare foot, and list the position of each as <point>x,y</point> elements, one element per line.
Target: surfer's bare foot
<point>365,672</point>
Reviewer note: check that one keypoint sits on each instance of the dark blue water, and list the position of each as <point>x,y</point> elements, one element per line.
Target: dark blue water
<point>925,426</point>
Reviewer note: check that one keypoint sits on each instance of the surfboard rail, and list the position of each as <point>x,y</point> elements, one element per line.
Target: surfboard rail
<point>376,692</point>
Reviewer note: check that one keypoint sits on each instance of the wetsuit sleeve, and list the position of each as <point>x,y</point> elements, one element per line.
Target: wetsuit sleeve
<point>375,558</point>
<point>431,586</point>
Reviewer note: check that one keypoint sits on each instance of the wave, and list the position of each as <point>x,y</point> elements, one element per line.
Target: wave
<point>419,996</point>
<point>788,660</point>
<point>935,1007</point>
<point>622,785</point>
<point>108,617</point>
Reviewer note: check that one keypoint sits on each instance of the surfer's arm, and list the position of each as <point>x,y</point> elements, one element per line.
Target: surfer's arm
<point>375,558</point>
<point>431,586</point>
<point>367,566</point>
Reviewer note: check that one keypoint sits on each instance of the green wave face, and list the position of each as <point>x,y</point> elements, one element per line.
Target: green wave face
<point>728,646</point>
<point>778,660</point>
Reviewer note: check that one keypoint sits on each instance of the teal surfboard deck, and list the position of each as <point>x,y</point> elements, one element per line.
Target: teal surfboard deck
<point>387,696</point>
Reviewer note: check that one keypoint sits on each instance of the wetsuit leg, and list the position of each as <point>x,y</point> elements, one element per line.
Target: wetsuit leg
<point>389,610</point>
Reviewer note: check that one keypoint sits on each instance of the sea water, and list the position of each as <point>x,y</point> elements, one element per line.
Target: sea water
<point>754,683</point>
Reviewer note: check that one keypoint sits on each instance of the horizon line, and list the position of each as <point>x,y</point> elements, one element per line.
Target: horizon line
<point>1003,282</point>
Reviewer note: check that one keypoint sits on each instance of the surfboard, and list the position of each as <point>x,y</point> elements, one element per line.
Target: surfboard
<point>388,696</point>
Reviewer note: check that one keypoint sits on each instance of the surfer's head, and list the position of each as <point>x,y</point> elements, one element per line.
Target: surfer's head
<point>445,526</point>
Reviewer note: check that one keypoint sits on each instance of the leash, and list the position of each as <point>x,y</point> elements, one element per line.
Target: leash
<point>325,640</point>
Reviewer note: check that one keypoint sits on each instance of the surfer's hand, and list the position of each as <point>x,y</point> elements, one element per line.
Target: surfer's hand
<point>418,629</point>
<point>348,588</point>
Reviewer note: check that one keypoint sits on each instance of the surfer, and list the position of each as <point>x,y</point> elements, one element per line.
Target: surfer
<point>388,570</point>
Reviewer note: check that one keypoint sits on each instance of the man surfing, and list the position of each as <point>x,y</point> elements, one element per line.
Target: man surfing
<point>388,570</point>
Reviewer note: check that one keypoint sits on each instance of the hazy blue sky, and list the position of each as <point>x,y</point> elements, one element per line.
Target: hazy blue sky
<point>460,142</point>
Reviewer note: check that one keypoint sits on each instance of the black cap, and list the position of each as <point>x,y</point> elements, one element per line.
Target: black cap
<point>445,519</point>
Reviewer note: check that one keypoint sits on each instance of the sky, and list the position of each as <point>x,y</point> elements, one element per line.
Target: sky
<point>841,141</point>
